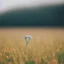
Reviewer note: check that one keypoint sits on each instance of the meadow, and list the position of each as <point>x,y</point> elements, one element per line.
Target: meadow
<point>45,47</point>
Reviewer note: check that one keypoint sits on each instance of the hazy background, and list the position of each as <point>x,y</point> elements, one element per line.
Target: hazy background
<point>11,4</point>
<point>31,13</point>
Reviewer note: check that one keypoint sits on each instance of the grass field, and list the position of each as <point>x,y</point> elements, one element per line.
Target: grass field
<point>46,46</point>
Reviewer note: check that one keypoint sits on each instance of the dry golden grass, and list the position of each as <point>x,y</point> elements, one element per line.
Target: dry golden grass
<point>43,46</point>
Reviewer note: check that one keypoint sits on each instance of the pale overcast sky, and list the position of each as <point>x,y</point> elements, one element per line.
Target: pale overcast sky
<point>11,4</point>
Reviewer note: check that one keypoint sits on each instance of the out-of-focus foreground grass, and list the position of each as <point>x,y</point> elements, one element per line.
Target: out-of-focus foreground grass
<point>38,51</point>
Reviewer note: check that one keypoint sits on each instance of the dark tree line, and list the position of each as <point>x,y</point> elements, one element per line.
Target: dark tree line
<point>42,16</point>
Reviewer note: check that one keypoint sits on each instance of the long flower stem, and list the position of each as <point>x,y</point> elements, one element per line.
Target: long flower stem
<point>26,45</point>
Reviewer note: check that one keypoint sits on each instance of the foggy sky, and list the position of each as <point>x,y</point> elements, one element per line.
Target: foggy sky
<point>11,4</point>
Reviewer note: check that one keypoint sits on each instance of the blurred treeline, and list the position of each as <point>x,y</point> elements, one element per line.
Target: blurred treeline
<point>40,16</point>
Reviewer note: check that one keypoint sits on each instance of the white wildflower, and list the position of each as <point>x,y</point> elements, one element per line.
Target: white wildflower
<point>27,38</point>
